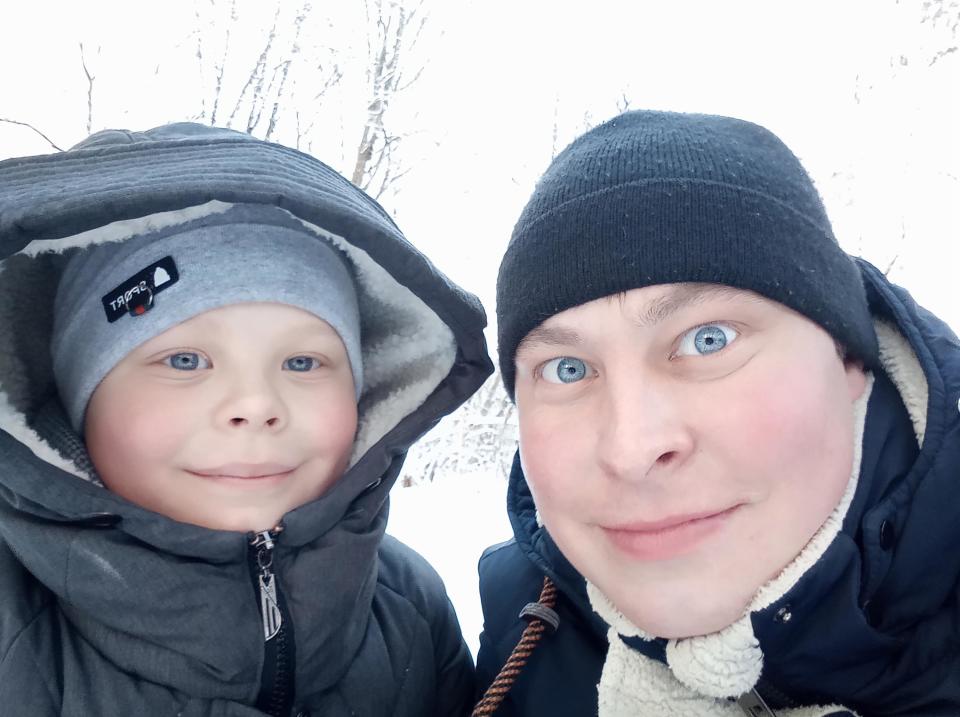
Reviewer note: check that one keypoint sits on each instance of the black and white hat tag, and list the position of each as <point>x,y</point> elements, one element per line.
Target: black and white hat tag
<point>135,295</point>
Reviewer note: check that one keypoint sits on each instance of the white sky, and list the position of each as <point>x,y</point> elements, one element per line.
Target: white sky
<point>500,74</point>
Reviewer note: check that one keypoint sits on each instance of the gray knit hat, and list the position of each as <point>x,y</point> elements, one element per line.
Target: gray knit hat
<point>114,297</point>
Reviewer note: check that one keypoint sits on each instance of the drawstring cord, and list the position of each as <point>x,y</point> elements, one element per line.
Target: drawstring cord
<point>541,616</point>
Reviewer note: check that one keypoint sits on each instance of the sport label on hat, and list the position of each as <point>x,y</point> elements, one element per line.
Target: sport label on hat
<point>135,295</point>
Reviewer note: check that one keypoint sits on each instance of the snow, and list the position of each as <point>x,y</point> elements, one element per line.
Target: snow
<point>450,521</point>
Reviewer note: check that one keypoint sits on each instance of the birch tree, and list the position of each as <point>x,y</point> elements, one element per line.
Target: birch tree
<point>393,29</point>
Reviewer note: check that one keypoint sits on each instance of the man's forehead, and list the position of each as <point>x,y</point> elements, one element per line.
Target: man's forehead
<point>663,300</point>
<point>651,305</point>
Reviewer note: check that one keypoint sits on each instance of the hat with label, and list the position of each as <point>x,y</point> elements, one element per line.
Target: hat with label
<point>113,297</point>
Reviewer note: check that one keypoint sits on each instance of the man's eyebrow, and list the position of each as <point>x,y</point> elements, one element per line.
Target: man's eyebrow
<point>680,297</point>
<point>549,336</point>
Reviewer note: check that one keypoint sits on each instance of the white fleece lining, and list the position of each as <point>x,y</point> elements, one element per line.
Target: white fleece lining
<point>423,341</point>
<point>123,230</point>
<point>726,664</point>
<point>14,423</point>
<point>903,367</point>
<point>409,351</point>
<point>630,687</point>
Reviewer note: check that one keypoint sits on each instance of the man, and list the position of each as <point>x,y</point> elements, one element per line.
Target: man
<point>739,447</point>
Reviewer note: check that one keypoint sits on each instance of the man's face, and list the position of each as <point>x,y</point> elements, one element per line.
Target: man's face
<point>683,443</point>
<point>228,420</point>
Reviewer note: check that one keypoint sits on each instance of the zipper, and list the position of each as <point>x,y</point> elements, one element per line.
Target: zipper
<point>753,705</point>
<point>277,679</point>
<point>756,702</point>
<point>263,544</point>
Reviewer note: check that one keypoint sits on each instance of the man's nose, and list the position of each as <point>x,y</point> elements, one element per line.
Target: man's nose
<point>644,430</point>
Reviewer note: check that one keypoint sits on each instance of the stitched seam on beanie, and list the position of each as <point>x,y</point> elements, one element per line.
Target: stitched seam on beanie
<point>675,180</point>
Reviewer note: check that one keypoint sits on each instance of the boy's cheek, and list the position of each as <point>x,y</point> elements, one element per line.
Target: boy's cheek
<point>141,427</point>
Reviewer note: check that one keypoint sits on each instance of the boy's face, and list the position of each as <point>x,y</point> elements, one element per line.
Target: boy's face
<point>683,443</point>
<point>228,420</point>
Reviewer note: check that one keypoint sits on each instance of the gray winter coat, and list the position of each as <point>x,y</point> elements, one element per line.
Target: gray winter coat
<point>110,609</point>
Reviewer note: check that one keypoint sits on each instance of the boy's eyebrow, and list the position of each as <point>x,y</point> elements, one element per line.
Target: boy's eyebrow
<point>681,297</point>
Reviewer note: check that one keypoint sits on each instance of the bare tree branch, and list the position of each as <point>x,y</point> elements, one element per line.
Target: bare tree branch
<point>199,56</point>
<point>294,50</point>
<point>90,79</point>
<point>31,127</point>
<point>332,79</point>
<point>223,62</point>
<point>393,29</point>
<point>941,54</point>
<point>260,93</point>
<point>556,126</point>
<point>364,153</point>
<point>256,77</point>
<point>274,113</point>
<point>893,263</point>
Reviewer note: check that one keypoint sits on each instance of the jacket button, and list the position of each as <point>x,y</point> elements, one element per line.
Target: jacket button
<point>783,615</point>
<point>888,535</point>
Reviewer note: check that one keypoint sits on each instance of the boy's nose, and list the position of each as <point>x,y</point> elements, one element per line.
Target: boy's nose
<point>243,421</point>
<point>253,406</point>
<point>642,433</point>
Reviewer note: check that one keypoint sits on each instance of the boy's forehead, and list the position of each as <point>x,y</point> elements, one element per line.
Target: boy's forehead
<point>277,319</point>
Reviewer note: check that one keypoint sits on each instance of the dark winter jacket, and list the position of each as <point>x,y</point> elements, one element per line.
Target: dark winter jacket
<point>110,609</point>
<point>873,626</point>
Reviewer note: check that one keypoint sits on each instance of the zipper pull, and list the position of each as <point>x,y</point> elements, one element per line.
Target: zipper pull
<point>264,543</point>
<point>753,705</point>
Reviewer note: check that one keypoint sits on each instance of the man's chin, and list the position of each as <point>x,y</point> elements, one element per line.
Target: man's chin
<point>675,617</point>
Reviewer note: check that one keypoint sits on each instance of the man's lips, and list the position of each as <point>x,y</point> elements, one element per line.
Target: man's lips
<point>244,471</point>
<point>667,537</point>
<point>657,526</point>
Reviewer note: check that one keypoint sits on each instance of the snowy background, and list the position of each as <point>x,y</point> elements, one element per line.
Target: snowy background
<point>449,111</point>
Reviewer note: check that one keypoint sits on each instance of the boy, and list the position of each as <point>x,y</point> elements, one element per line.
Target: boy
<point>217,353</point>
<point>738,446</point>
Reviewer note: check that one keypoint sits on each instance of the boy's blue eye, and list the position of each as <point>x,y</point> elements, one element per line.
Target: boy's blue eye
<point>301,363</point>
<point>565,369</point>
<point>705,340</point>
<point>186,361</point>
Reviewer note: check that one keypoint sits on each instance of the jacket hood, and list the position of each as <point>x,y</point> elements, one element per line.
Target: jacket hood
<point>870,620</point>
<point>423,354</point>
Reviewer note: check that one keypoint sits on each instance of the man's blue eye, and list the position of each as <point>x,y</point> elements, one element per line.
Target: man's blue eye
<point>301,363</point>
<point>186,361</point>
<point>705,340</point>
<point>563,370</point>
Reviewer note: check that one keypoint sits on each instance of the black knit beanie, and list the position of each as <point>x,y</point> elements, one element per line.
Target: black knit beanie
<point>659,197</point>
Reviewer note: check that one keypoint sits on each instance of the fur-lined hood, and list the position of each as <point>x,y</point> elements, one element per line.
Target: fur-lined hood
<point>423,354</point>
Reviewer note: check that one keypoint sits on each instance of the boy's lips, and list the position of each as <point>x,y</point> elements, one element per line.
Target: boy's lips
<point>667,537</point>
<point>244,471</point>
